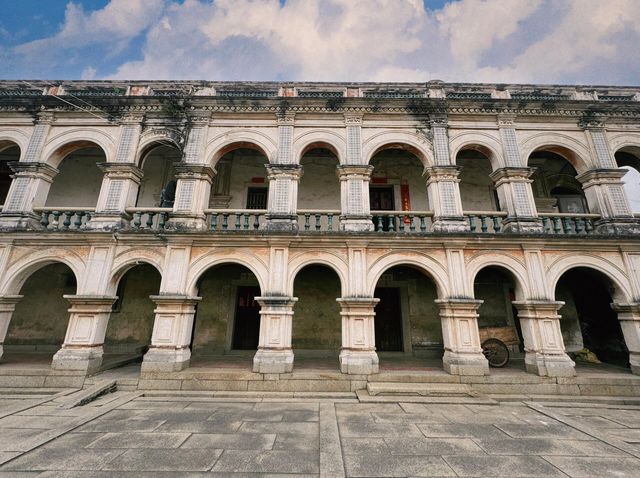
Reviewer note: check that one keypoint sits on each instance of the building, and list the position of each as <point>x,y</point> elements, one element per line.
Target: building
<point>192,219</point>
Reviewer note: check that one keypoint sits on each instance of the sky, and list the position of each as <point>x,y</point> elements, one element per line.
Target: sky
<point>495,41</point>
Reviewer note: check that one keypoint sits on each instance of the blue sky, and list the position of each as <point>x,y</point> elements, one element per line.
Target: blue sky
<point>537,41</point>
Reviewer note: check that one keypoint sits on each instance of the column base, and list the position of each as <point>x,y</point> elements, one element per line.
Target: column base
<point>531,225</point>
<point>617,225</point>
<point>81,359</point>
<point>356,224</point>
<point>450,224</point>
<point>181,222</point>
<point>281,223</point>
<point>107,222</point>
<point>17,220</point>
<point>359,362</point>
<point>549,365</point>
<point>273,361</point>
<point>465,363</point>
<point>166,360</point>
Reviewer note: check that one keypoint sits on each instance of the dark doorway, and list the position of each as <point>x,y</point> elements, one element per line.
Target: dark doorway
<point>257,198</point>
<point>246,328</point>
<point>381,199</point>
<point>388,320</point>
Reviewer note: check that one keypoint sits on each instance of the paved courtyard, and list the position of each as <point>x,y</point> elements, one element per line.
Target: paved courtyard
<point>128,434</point>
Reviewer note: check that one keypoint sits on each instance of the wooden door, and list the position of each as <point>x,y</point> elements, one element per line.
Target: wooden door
<point>388,320</point>
<point>246,327</point>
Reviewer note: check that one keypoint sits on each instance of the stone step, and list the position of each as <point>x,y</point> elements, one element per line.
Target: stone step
<point>84,396</point>
<point>422,389</point>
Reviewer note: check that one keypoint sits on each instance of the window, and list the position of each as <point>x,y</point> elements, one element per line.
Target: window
<point>257,198</point>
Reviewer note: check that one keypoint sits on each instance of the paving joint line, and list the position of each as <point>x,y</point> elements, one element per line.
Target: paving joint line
<point>330,448</point>
<point>42,401</point>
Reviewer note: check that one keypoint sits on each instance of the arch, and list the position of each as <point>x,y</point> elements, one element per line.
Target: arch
<point>411,142</point>
<point>145,148</point>
<point>485,143</point>
<point>21,270</point>
<point>574,151</point>
<point>10,137</point>
<point>623,140</point>
<point>228,141</point>
<point>328,259</point>
<point>320,138</point>
<point>63,144</point>
<point>118,271</point>
<point>609,269</point>
<point>433,269</point>
<point>515,268</point>
<point>252,262</point>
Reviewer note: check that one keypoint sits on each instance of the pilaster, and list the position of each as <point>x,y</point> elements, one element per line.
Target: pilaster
<point>286,122</point>
<point>83,344</point>
<point>358,353</point>
<point>119,191</point>
<point>543,345</point>
<point>354,195</point>
<point>282,202</point>
<point>353,125</point>
<point>443,189</point>
<point>275,354</point>
<point>7,306</point>
<point>629,317</point>
<point>513,185</point>
<point>462,352</point>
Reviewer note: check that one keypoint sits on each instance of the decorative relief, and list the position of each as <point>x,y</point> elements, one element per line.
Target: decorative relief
<point>194,142</point>
<point>16,199</point>
<point>124,152</point>
<point>521,199</point>
<point>113,195</point>
<point>354,144</point>
<point>36,142</point>
<point>440,145</point>
<point>448,198</point>
<point>602,150</point>
<point>186,195</point>
<point>355,197</point>
<point>285,141</point>
<point>510,142</point>
<point>618,201</point>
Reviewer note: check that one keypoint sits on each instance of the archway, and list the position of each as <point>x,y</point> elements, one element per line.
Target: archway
<point>319,185</point>
<point>39,323</point>
<point>9,152</point>
<point>476,187</point>
<point>317,330</point>
<point>497,317</point>
<point>629,158</point>
<point>130,325</point>
<point>158,184</point>
<point>227,319</point>
<point>588,321</point>
<point>555,187</point>
<point>407,318</point>
<point>78,182</point>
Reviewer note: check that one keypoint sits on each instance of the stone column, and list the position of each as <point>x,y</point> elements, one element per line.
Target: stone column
<point>543,345</point>
<point>443,189</point>
<point>118,192</point>
<point>282,202</point>
<point>513,185</point>
<point>462,352</point>
<point>358,354</point>
<point>7,306</point>
<point>629,317</point>
<point>354,197</point>
<point>605,195</point>
<point>275,354</point>
<point>83,345</point>
<point>192,196</point>
<point>171,338</point>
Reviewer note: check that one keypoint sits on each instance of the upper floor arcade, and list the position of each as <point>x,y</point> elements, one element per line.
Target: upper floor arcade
<point>384,158</point>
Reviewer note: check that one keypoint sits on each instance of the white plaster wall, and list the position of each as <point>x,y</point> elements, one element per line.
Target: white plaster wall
<point>158,171</point>
<point>79,180</point>
<point>245,165</point>
<point>476,187</point>
<point>400,167</point>
<point>319,186</point>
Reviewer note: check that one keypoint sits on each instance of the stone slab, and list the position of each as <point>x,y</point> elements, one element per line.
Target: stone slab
<point>161,460</point>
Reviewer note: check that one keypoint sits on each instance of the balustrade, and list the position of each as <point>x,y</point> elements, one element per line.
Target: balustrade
<point>485,221</point>
<point>567,224</point>
<point>402,222</point>
<point>235,219</point>
<point>63,218</point>
<point>318,220</point>
<point>149,218</point>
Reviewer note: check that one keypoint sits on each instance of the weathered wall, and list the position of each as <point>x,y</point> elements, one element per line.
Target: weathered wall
<point>158,171</point>
<point>476,187</point>
<point>131,322</point>
<point>245,165</point>
<point>79,180</point>
<point>41,317</point>
<point>400,167</point>
<point>569,323</point>
<point>319,186</point>
<point>494,288</point>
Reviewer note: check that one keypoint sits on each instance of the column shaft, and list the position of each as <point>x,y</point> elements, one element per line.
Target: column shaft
<point>274,353</point>
<point>358,353</point>
<point>354,195</point>
<point>7,306</point>
<point>443,189</point>
<point>513,185</point>
<point>282,203</point>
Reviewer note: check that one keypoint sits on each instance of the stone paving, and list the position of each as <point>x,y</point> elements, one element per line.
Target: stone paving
<point>128,434</point>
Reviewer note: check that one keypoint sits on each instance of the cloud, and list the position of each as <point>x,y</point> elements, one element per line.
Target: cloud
<point>537,41</point>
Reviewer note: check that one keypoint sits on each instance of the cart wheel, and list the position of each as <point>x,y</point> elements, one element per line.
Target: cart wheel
<point>496,352</point>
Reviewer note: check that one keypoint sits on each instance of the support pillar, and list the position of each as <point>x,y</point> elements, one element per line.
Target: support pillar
<point>118,192</point>
<point>171,338</point>
<point>462,352</point>
<point>358,354</point>
<point>354,194</point>
<point>192,196</point>
<point>282,203</point>
<point>82,349</point>
<point>629,317</point>
<point>513,185</point>
<point>443,189</point>
<point>7,306</point>
<point>543,345</point>
<point>274,353</point>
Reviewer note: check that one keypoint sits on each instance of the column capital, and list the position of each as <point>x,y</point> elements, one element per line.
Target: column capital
<point>285,118</point>
<point>194,171</point>
<point>459,304</point>
<point>122,171</point>
<point>276,301</point>
<point>601,176</point>
<point>8,302</point>
<point>176,300</point>
<point>511,173</point>
<point>45,117</point>
<point>353,119</point>
<point>442,173</point>
<point>439,120</point>
<point>93,303</point>
<point>132,119</point>
<point>34,169</point>
<point>291,171</point>
<point>630,310</point>
<point>357,302</point>
<point>592,123</point>
<point>356,171</point>
<point>199,118</point>
<point>538,309</point>
<point>506,120</point>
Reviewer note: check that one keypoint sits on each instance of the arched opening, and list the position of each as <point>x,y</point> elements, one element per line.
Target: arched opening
<point>158,184</point>
<point>241,178</point>
<point>590,327</point>
<point>79,179</point>
<point>227,319</point>
<point>397,183</point>
<point>407,318</point>
<point>39,323</point>
<point>9,152</point>
<point>317,329</point>
<point>131,321</point>
<point>476,186</point>
<point>629,158</point>
<point>497,317</point>
<point>319,185</point>
<point>555,187</point>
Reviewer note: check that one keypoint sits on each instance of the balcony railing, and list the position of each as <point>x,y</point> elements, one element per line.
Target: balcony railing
<point>558,223</point>
<point>402,221</point>
<point>235,219</point>
<point>318,220</point>
<point>148,218</point>
<point>485,221</point>
<point>64,218</point>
